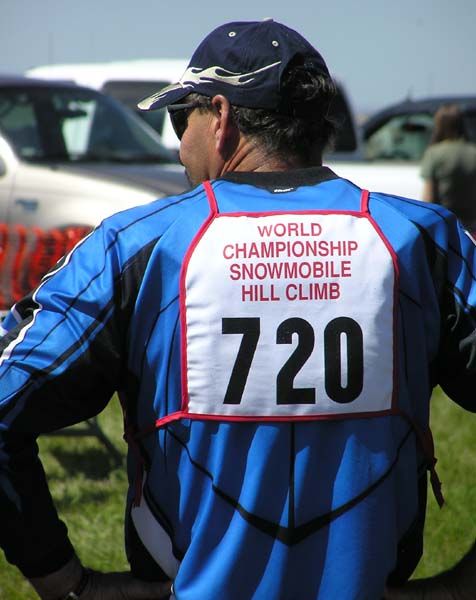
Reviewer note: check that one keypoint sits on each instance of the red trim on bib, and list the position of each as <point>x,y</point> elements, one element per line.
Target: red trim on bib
<point>270,213</point>
<point>184,414</point>
<point>364,202</point>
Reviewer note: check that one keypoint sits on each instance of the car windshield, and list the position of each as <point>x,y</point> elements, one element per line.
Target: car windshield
<point>75,125</point>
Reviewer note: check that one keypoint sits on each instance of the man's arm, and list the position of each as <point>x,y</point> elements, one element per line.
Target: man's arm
<point>453,260</point>
<point>59,365</point>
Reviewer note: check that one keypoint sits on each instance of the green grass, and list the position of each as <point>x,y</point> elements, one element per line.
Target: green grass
<point>450,531</point>
<point>89,490</point>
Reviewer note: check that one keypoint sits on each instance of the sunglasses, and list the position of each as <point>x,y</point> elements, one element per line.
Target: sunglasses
<point>179,115</point>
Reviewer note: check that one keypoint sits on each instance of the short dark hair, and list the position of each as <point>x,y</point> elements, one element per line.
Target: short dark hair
<point>448,124</point>
<point>303,127</point>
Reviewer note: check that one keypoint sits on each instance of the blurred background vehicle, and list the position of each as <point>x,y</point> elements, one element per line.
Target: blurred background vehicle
<point>69,156</point>
<point>131,80</point>
<point>402,131</point>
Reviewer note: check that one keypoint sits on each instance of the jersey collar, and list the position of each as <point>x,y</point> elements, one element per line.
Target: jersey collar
<point>273,179</point>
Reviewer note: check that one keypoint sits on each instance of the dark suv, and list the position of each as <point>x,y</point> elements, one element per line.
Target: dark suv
<point>402,131</point>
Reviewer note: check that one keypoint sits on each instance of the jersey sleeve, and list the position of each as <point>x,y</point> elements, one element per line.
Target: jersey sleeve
<point>59,365</point>
<point>456,364</point>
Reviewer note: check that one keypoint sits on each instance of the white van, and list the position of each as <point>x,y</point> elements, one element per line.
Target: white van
<point>128,81</point>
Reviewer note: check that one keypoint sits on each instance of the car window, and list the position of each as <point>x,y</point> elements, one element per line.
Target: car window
<point>402,137</point>
<point>75,124</point>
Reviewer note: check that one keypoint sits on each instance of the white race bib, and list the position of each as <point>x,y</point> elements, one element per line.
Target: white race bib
<point>288,316</point>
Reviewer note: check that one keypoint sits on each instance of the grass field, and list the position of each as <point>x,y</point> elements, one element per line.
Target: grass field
<point>89,491</point>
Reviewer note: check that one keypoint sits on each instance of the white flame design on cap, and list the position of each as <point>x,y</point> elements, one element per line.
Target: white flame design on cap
<point>194,76</point>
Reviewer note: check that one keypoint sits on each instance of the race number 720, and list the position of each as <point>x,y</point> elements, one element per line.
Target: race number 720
<point>286,393</point>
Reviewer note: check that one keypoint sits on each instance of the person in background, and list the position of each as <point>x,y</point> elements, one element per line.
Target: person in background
<point>274,335</point>
<point>449,166</point>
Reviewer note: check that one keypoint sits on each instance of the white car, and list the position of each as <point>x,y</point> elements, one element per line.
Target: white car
<point>69,156</point>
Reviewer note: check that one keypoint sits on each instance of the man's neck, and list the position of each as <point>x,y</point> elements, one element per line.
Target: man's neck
<point>250,157</point>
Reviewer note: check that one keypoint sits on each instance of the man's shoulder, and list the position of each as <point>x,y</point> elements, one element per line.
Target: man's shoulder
<point>159,210</point>
<point>414,212</point>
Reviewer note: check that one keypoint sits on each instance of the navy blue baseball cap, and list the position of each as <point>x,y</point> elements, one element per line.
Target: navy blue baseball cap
<point>245,62</point>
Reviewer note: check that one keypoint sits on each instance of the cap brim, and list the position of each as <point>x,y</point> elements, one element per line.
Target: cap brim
<point>167,95</point>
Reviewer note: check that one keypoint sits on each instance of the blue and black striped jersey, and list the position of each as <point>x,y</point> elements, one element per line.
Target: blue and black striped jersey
<point>274,339</point>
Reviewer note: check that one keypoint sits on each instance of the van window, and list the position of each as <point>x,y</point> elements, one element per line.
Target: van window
<point>131,92</point>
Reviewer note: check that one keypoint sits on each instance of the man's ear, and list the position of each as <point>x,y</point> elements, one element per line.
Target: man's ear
<point>225,132</point>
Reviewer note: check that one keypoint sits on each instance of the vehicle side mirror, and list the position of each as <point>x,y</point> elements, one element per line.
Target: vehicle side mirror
<point>3,167</point>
